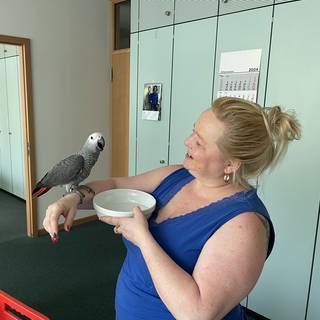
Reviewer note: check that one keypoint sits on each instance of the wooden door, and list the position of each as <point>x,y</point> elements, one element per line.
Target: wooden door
<point>120,88</point>
<point>120,112</point>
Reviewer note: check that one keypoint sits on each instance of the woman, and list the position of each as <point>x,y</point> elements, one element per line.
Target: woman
<point>204,247</point>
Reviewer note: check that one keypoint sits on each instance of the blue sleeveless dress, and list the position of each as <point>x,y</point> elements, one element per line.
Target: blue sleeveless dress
<point>183,238</point>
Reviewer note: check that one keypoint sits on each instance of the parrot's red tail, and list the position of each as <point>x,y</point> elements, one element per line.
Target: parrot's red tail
<point>37,192</point>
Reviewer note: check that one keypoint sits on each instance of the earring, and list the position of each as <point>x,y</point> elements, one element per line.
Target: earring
<point>226,178</point>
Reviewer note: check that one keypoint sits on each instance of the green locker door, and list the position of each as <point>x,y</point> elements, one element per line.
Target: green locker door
<point>156,13</point>
<point>245,31</point>
<point>15,126</point>
<point>134,16</point>
<point>193,10</point>
<point>291,192</point>
<point>154,66</point>
<point>230,6</point>
<point>133,107</point>
<point>314,306</point>
<point>5,158</point>
<point>193,67</point>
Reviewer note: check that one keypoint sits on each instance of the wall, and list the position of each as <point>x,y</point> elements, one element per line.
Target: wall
<point>70,53</point>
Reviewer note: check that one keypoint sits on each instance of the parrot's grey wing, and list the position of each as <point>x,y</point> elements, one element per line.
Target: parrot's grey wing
<point>64,172</point>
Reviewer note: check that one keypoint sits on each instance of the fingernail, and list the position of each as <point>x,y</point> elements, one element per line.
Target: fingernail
<point>54,240</point>
<point>68,228</point>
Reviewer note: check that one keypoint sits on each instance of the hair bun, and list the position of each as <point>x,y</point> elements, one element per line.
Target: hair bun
<point>282,125</point>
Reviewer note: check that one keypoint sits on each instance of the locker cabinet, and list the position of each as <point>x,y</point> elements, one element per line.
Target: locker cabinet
<point>154,14</point>
<point>134,16</point>
<point>231,6</point>
<point>193,10</point>
<point>313,312</point>
<point>289,193</point>
<point>155,62</point>
<point>235,33</point>
<point>192,80</point>
<point>133,104</point>
<point>282,1</point>
<point>185,57</point>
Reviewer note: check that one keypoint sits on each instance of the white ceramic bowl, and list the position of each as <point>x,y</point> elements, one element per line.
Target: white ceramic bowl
<point>120,202</point>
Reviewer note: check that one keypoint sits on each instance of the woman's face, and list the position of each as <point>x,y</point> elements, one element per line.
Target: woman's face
<point>204,159</point>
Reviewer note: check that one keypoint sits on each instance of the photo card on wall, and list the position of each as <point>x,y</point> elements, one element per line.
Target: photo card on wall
<point>152,94</point>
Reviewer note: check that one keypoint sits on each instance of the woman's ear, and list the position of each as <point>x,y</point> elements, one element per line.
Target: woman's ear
<point>231,166</point>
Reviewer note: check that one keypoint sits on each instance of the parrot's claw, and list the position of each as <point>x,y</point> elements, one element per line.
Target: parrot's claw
<point>71,188</point>
<point>88,189</point>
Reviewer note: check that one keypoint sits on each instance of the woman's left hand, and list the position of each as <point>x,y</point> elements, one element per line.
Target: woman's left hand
<point>134,229</point>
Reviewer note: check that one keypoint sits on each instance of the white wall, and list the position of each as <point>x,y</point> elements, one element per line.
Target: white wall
<point>70,54</point>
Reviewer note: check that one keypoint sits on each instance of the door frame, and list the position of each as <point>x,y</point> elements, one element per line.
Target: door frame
<point>27,127</point>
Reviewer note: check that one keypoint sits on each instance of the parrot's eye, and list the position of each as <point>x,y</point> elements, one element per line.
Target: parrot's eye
<point>91,137</point>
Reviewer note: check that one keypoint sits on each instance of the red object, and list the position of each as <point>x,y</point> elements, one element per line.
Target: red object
<point>11,309</point>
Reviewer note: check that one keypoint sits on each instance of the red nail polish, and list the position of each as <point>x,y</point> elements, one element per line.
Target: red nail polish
<point>68,228</point>
<point>54,238</point>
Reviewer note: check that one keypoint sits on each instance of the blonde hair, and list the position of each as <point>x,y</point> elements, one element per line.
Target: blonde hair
<point>256,136</point>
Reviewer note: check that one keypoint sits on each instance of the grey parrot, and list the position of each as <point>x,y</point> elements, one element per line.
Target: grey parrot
<point>73,169</point>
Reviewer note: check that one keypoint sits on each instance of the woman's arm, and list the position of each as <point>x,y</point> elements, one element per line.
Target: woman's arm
<point>226,271</point>
<point>147,181</point>
<point>67,206</point>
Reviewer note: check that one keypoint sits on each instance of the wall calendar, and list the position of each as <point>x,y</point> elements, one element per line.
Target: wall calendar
<point>239,74</point>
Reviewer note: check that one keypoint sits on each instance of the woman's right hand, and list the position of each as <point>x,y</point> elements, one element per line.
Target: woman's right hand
<point>66,207</point>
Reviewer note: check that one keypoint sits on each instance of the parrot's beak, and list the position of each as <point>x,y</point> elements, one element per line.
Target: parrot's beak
<point>101,143</point>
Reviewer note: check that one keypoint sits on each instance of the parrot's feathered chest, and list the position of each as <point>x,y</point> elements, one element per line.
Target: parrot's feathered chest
<point>90,158</point>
